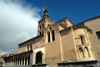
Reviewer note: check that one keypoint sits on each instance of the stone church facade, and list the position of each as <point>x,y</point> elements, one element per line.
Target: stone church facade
<point>59,42</point>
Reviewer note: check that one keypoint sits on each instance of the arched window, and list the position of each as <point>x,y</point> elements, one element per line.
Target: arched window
<point>48,36</point>
<point>81,53</point>
<point>53,35</point>
<point>82,39</point>
<point>30,46</point>
<point>40,33</point>
<point>27,47</point>
<point>86,52</point>
<point>43,26</point>
<point>38,58</point>
<point>40,27</point>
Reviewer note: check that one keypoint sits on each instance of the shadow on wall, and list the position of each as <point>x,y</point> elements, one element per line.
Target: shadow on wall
<point>90,31</point>
<point>35,65</point>
<point>92,63</point>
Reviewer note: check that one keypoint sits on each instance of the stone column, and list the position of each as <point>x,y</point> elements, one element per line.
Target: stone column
<point>90,52</point>
<point>29,47</point>
<point>24,60</point>
<point>15,61</point>
<point>19,60</point>
<point>50,36</point>
<point>84,53</point>
<point>27,60</point>
<point>11,63</point>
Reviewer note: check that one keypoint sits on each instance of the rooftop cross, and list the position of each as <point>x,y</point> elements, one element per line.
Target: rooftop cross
<point>45,12</point>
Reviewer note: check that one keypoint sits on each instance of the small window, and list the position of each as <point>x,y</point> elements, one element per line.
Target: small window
<point>27,47</point>
<point>50,28</point>
<point>81,53</point>
<point>40,27</point>
<point>43,26</point>
<point>53,35</point>
<point>40,33</point>
<point>30,46</point>
<point>48,36</point>
<point>98,34</point>
<point>82,39</point>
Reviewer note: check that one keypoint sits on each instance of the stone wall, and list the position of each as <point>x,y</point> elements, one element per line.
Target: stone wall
<point>52,48</point>
<point>34,43</point>
<point>94,26</point>
<point>92,63</point>
<point>67,45</point>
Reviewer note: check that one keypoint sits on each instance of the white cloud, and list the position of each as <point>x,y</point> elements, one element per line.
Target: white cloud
<point>17,24</point>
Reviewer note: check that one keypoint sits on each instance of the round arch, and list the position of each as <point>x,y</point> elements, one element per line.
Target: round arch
<point>53,35</point>
<point>48,36</point>
<point>39,57</point>
<point>81,52</point>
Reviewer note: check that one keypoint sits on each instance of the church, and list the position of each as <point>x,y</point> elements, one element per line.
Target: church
<point>58,42</point>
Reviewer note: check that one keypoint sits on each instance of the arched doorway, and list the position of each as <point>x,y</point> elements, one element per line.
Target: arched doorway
<point>39,58</point>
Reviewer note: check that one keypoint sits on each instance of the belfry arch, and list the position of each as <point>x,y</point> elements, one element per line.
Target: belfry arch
<point>53,35</point>
<point>48,36</point>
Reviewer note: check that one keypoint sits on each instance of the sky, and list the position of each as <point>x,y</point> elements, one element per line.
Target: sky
<point>19,18</point>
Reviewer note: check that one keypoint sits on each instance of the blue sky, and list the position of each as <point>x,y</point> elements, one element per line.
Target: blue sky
<point>76,10</point>
<point>19,18</point>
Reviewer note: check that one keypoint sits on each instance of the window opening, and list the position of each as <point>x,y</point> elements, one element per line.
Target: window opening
<point>82,39</point>
<point>38,58</point>
<point>87,52</point>
<point>30,46</point>
<point>53,35</point>
<point>48,36</point>
<point>98,34</point>
<point>27,47</point>
<point>81,53</point>
<point>43,26</point>
<point>50,28</point>
<point>40,33</point>
<point>40,27</point>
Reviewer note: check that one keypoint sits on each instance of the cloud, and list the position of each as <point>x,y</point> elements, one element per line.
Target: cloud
<point>18,23</point>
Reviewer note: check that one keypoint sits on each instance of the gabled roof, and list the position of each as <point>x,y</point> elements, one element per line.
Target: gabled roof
<point>31,39</point>
<point>62,20</point>
<point>17,54</point>
<point>44,18</point>
<point>80,25</point>
<point>91,19</point>
<point>59,22</point>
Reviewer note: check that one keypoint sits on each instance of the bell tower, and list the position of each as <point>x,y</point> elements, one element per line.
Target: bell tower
<point>44,22</point>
